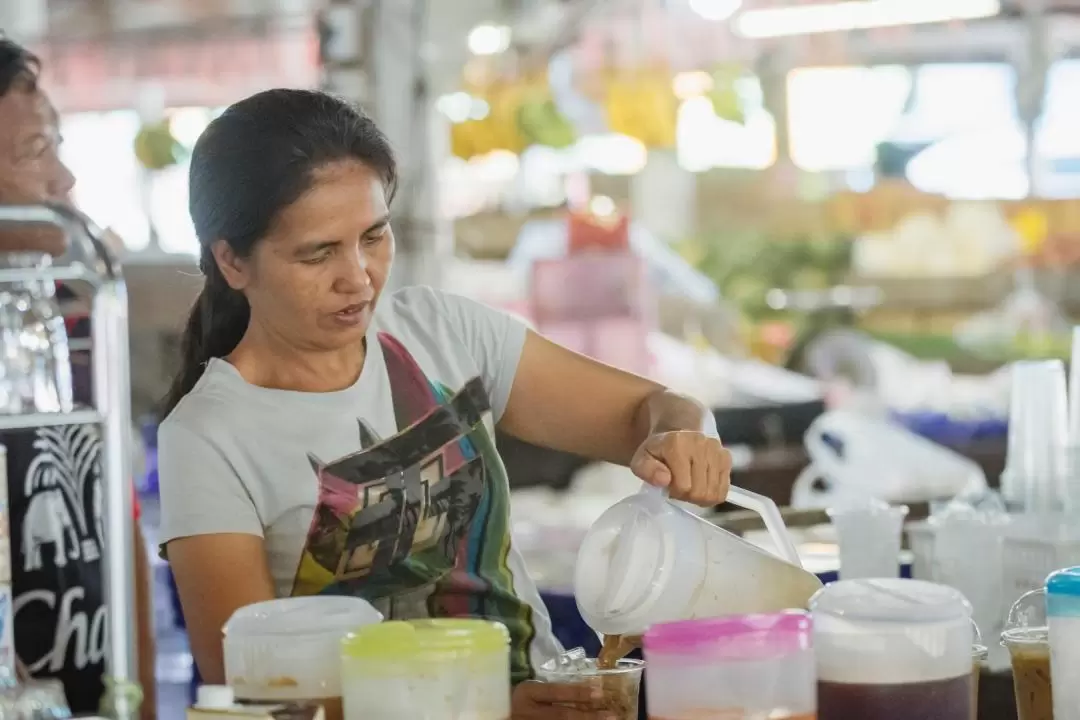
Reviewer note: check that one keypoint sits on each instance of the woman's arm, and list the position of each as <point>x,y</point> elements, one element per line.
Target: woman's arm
<point>216,575</point>
<point>566,401</point>
<point>212,535</point>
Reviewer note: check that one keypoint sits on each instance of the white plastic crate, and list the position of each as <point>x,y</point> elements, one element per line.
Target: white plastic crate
<point>1036,549</point>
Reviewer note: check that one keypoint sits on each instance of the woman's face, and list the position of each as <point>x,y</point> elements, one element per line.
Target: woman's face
<point>315,278</point>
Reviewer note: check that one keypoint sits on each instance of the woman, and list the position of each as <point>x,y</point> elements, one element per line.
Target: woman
<point>323,439</point>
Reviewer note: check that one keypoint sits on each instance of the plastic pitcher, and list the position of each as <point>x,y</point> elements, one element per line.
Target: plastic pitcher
<point>892,649</point>
<point>740,667</point>
<point>647,561</point>
<point>289,649</point>
<point>427,670</point>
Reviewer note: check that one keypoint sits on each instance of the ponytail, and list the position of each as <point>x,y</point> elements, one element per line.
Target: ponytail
<point>218,320</point>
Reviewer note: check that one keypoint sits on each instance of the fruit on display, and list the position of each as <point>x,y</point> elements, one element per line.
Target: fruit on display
<point>724,95</point>
<point>539,119</point>
<point>493,125</point>
<point>968,240</point>
<point>156,148</point>
<point>641,104</point>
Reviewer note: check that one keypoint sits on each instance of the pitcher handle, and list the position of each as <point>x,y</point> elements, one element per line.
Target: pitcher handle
<point>763,506</point>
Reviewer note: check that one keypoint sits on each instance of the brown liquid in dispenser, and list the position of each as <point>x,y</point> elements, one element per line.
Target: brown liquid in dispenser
<point>934,700</point>
<point>734,714</point>
<point>1032,684</point>
<point>615,648</point>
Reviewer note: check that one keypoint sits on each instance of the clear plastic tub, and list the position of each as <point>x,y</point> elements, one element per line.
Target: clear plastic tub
<point>741,667</point>
<point>289,649</point>
<point>427,670</point>
<point>892,649</point>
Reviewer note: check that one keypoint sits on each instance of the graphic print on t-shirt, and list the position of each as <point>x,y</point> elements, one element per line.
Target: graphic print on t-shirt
<point>54,476</point>
<point>420,517</point>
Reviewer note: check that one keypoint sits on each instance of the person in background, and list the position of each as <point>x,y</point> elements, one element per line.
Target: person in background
<point>324,439</point>
<point>56,563</point>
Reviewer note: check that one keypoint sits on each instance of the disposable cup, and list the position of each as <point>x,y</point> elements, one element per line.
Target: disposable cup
<point>621,684</point>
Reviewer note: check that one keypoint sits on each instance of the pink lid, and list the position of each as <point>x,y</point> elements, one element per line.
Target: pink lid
<point>736,637</point>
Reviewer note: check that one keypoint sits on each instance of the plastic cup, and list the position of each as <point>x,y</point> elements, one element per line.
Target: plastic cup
<point>870,537</point>
<point>1027,638</point>
<point>621,684</point>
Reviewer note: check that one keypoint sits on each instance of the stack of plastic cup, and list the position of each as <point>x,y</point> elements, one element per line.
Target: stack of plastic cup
<point>869,535</point>
<point>1035,473</point>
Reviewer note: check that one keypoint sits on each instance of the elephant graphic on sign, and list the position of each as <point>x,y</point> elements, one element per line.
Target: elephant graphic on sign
<point>47,521</point>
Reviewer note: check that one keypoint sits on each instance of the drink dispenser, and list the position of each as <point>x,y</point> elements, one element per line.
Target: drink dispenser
<point>427,670</point>
<point>289,649</point>
<point>748,666</point>
<point>892,649</point>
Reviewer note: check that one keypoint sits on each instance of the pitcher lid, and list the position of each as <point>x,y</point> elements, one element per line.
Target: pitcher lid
<point>302,616</point>
<point>891,600</point>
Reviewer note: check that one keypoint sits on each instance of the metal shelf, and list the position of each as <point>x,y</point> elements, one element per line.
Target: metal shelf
<point>89,263</point>
<point>34,420</point>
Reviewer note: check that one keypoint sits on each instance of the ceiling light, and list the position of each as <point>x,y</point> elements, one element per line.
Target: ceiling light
<point>489,39</point>
<point>859,15</point>
<point>715,10</point>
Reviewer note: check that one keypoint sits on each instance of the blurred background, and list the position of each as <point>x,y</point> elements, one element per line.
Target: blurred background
<point>779,206</point>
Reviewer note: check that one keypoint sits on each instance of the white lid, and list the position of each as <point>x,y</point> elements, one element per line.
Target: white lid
<point>891,600</point>
<point>315,615</point>
<point>215,697</point>
<point>624,564</point>
<point>891,631</point>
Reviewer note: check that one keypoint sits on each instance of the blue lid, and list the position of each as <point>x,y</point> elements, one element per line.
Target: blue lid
<point>1063,593</point>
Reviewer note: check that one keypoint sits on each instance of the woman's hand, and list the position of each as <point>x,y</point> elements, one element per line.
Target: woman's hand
<point>558,701</point>
<point>693,466</point>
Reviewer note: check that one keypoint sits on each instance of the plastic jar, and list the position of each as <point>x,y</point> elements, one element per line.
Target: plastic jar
<point>427,670</point>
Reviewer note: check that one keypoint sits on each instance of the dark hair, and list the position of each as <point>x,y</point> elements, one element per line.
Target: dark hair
<point>17,64</point>
<point>253,161</point>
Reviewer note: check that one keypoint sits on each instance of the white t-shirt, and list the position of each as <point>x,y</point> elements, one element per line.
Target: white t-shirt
<point>390,490</point>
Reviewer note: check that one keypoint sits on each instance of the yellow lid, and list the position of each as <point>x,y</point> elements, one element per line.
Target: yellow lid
<point>425,640</point>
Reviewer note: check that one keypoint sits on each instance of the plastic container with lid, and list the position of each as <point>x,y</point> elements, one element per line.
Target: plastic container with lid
<point>647,561</point>
<point>746,666</point>
<point>289,649</point>
<point>1063,620</point>
<point>427,670</point>
<point>892,648</point>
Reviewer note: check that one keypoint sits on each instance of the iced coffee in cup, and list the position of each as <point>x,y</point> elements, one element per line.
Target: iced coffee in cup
<point>1028,641</point>
<point>621,683</point>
